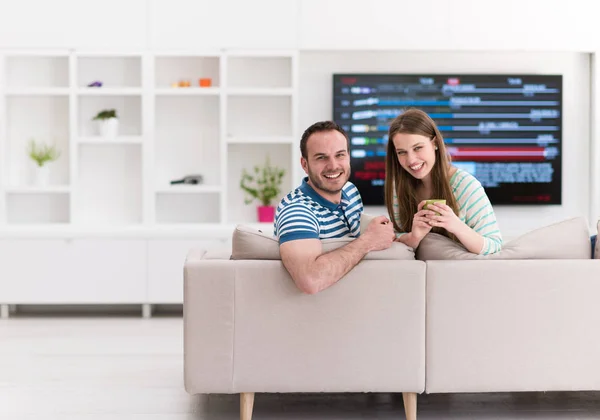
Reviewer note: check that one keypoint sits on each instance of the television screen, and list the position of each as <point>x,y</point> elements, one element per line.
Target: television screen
<point>504,129</point>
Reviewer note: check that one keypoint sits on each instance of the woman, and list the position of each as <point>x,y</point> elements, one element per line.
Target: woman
<point>418,168</point>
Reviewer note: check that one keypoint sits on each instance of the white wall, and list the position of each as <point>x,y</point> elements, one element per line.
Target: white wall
<point>73,23</point>
<point>468,25</point>
<point>316,69</point>
<point>434,25</point>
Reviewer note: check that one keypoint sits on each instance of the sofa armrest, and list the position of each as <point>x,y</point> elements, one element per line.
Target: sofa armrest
<point>208,316</point>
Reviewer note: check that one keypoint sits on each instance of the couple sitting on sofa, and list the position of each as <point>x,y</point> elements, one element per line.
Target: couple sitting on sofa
<point>418,168</point>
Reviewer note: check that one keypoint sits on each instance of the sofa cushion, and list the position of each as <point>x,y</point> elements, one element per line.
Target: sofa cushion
<point>252,244</point>
<point>564,240</point>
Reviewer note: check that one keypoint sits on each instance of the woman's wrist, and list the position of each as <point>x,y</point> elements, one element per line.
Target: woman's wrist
<point>461,230</point>
<point>413,240</point>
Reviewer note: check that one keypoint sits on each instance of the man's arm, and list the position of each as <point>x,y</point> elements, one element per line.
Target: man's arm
<point>313,271</point>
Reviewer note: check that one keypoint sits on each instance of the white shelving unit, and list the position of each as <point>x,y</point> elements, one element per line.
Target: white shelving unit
<point>109,227</point>
<point>166,132</point>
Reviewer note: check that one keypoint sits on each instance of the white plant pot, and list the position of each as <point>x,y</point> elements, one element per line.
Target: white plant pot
<point>41,175</point>
<point>109,128</point>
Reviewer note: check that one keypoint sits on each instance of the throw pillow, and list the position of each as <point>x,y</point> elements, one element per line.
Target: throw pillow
<point>564,240</point>
<point>251,244</point>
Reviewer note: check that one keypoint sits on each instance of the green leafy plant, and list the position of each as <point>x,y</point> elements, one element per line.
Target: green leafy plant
<point>264,184</point>
<point>42,153</point>
<point>106,114</point>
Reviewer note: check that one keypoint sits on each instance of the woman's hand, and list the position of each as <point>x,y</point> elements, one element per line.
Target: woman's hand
<point>446,218</point>
<point>420,227</point>
<point>421,222</point>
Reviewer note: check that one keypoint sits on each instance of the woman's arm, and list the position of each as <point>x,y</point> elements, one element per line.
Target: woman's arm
<point>481,220</point>
<point>479,231</point>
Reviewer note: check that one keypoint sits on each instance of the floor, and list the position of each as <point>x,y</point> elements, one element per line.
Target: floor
<point>113,368</point>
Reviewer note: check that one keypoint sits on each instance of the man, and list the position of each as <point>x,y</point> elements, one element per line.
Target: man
<point>326,205</point>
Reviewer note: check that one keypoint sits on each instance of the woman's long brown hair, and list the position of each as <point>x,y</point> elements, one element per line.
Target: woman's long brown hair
<point>415,121</point>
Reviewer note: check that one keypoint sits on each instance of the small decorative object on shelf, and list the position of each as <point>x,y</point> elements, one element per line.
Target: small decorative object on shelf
<point>108,123</point>
<point>205,82</point>
<point>189,179</point>
<point>184,83</point>
<point>265,186</point>
<point>42,154</point>
<point>95,83</point>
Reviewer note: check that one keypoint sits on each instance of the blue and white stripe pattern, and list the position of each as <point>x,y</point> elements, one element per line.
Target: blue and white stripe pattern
<point>475,210</point>
<point>304,214</point>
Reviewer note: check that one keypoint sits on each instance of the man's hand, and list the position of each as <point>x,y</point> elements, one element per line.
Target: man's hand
<point>379,234</point>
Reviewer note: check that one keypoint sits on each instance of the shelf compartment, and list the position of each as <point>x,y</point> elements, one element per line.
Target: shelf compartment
<point>37,72</point>
<point>109,190</point>
<point>242,156</point>
<point>172,69</point>
<point>129,112</point>
<point>113,72</point>
<point>259,72</point>
<point>187,208</point>
<point>37,208</point>
<point>44,119</point>
<point>187,139</point>
<point>254,116</point>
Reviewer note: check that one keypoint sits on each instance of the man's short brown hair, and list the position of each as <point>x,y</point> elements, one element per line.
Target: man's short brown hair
<point>319,127</point>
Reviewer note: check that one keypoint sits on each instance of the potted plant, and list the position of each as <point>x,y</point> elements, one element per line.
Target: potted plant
<point>264,185</point>
<point>42,154</point>
<point>108,123</point>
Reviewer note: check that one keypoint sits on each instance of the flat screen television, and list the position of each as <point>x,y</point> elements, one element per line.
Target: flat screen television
<point>504,129</point>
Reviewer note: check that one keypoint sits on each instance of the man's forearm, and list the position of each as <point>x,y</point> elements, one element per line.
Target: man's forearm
<point>330,267</point>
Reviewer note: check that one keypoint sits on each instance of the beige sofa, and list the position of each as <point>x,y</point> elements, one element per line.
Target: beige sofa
<point>500,325</point>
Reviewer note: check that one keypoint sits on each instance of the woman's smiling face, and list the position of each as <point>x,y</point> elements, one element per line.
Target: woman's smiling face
<point>416,154</point>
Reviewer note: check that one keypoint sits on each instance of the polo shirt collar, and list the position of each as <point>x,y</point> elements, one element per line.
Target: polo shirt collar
<point>315,196</point>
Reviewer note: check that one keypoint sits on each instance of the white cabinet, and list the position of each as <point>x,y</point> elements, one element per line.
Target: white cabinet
<point>179,114</point>
<point>122,183</point>
<point>81,271</point>
<point>165,267</point>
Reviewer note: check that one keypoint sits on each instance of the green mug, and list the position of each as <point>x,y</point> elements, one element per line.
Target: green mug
<point>435,200</point>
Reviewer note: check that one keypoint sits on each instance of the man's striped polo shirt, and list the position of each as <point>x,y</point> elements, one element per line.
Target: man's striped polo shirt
<point>304,214</point>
